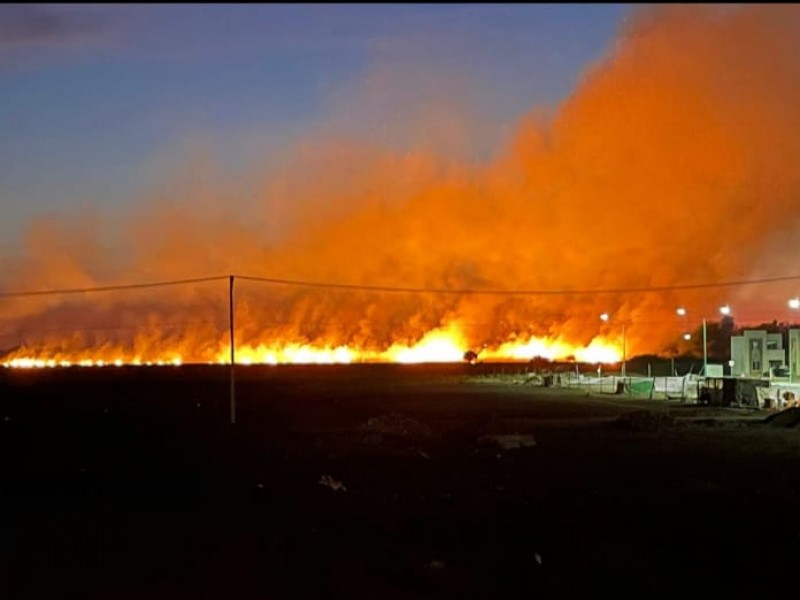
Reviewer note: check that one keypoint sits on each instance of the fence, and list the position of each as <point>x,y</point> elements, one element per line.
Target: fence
<point>683,388</point>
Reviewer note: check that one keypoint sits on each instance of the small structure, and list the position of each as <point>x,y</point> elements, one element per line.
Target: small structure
<point>730,391</point>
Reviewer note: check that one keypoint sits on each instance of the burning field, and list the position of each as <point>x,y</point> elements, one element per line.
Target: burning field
<point>671,165</point>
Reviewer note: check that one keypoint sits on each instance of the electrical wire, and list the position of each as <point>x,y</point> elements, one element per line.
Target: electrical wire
<point>502,292</point>
<point>403,289</point>
<point>111,288</point>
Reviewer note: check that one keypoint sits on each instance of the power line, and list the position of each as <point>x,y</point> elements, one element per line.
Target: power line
<point>502,292</point>
<point>111,288</point>
<point>405,290</point>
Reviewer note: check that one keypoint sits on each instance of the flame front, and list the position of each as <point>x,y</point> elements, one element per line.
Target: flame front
<point>444,345</point>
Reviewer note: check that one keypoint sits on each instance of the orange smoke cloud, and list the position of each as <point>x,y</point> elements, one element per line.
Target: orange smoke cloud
<point>673,162</point>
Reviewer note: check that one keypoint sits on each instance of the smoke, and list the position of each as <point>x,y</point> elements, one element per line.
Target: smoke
<point>673,162</point>
<point>42,25</point>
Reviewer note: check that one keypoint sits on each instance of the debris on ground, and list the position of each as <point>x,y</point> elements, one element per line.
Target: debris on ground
<point>507,441</point>
<point>531,379</point>
<point>328,481</point>
<point>396,425</point>
<point>645,420</point>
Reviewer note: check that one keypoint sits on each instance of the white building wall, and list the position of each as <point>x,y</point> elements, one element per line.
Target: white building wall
<point>756,364</point>
<point>738,355</point>
<point>755,351</point>
<point>794,354</point>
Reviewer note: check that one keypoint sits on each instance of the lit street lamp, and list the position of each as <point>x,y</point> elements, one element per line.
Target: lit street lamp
<point>604,317</point>
<point>794,304</point>
<point>705,350</point>
<point>725,310</point>
<point>686,336</point>
<point>624,356</point>
<point>681,312</point>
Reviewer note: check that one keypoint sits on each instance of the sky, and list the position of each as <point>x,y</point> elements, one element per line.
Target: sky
<point>641,153</point>
<point>99,101</point>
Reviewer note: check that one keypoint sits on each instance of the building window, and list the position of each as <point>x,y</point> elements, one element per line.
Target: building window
<point>772,345</point>
<point>755,355</point>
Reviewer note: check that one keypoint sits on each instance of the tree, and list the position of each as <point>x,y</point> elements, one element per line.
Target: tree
<point>718,339</point>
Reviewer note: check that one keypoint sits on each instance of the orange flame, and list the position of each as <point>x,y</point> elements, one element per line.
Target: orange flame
<point>437,346</point>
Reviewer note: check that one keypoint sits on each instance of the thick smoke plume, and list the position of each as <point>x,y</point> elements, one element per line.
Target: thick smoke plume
<point>675,161</point>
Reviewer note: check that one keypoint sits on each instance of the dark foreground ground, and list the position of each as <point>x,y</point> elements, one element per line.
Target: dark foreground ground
<point>131,483</point>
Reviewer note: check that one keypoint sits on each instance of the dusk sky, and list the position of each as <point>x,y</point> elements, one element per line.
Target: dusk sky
<point>98,101</point>
<point>544,149</point>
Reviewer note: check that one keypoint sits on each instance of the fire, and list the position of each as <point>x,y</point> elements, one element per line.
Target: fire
<point>290,354</point>
<point>442,345</point>
<point>28,362</point>
<point>669,166</point>
<point>598,351</point>
<point>436,346</point>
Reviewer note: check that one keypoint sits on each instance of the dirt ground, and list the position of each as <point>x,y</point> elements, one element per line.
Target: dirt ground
<point>382,482</point>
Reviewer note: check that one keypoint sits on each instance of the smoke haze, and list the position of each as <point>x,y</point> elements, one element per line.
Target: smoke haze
<point>673,162</point>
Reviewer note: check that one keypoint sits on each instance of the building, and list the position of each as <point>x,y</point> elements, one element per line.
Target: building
<point>794,354</point>
<point>757,353</point>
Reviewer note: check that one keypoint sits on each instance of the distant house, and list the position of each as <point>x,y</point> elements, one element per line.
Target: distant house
<point>757,353</point>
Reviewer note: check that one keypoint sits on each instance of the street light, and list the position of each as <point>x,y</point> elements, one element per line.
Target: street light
<point>725,310</point>
<point>794,304</point>
<point>681,312</point>
<point>687,336</point>
<point>604,317</point>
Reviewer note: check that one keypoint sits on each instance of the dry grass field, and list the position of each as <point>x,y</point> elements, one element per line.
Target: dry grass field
<point>381,481</point>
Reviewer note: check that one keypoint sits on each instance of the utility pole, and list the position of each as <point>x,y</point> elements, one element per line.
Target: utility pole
<point>233,353</point>
<point>705,351</point>
<point>624,356</point>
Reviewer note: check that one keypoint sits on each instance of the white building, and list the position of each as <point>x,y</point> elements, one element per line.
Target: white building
<point>757,353</point>
<point>794,354</point>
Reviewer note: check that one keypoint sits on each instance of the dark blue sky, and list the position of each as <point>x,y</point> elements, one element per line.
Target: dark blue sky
<point>95,100</point>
